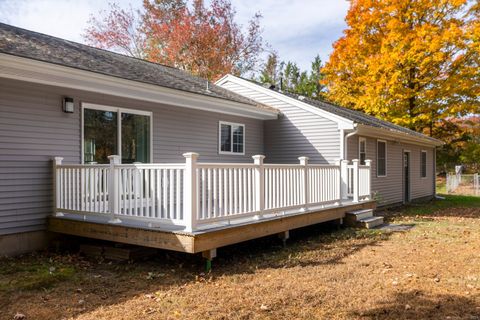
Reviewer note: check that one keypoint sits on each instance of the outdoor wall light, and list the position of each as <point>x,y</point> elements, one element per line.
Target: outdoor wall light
<point>68,105</point>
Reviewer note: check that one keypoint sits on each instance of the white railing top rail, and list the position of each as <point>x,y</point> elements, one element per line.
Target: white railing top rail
<point>206,165</point>
<point>151,166</point>
<point>80,166</point>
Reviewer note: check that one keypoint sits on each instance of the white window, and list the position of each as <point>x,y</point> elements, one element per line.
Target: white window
<point>362,150</point>
<point>423,164</point>
<point>231,138</point>
<point>110,131</point>
<point>381,158</point>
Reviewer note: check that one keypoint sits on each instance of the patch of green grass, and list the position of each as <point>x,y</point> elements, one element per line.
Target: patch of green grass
<point>441,187</point>
<point>30,275</point>
<point>451,201</point>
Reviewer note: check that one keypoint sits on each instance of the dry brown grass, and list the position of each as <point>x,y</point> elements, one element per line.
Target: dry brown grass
<point>429,272</point>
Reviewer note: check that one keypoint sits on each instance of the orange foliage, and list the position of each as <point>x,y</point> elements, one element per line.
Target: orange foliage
<point>411,62</point>
<point>205,41</point>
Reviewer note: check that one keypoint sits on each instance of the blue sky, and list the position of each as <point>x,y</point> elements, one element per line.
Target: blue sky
<point>296,29</point>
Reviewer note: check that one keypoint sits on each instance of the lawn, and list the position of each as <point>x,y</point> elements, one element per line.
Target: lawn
<point>431,271</point>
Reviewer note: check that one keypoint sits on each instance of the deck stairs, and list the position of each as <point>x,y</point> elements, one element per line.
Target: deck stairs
<point>363,218</point>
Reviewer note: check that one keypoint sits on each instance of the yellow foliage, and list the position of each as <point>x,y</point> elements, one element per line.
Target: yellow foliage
<point>412,62</point>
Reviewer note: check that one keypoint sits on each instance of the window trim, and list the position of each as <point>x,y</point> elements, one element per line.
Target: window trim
<point>231,136</point>
<point>360,140</point>
<point>421,164</point>
<point>386,158</point>
<point>94,106</point>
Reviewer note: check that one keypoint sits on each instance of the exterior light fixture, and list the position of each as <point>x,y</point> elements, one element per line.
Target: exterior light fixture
<point>68,105</point>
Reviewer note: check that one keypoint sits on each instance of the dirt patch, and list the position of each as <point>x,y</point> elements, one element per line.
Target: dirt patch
<point>431,271</point>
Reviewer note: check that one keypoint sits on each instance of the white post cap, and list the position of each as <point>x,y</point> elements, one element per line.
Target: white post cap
<point>192,155</point>
<point>115,159</point>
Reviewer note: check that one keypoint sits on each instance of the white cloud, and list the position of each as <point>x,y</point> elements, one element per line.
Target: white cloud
<point>61,18</point>
<point>298,29</point>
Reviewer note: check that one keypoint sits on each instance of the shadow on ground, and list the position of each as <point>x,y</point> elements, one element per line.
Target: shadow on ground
<point>103,283</point>
<point>418,305</point>
<point>315,245</point>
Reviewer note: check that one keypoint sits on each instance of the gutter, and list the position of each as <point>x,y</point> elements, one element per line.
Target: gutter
<point>403,136</point>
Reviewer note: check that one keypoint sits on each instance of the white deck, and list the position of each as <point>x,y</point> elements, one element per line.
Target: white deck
<point>199,197</point>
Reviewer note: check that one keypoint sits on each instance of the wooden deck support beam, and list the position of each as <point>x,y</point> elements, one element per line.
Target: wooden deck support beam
<point>284,236</point>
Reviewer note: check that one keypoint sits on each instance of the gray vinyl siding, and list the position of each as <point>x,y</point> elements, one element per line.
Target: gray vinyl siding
<point>33,130</point>
<point>390,189</point>
<point>296,132</point>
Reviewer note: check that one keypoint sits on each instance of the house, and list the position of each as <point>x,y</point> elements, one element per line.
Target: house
<point>105,146</point>
<point>403,161</point>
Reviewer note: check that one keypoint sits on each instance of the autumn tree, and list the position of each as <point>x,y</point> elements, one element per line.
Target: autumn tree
<point>412,62</point>
<point>288,77</point>
<point>119,30</point>
<point>462,137</point>
<point>204,40</point>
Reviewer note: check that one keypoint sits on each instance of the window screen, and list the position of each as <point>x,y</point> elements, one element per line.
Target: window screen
<point>232,138</point>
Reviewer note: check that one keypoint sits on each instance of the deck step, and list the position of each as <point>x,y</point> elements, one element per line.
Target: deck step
<point>353,217</point>
<point>357,215</point>
<point>370,222</point>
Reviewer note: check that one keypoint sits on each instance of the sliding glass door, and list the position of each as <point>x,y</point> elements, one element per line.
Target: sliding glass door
<point>135,138</point>
<point>109,131</point>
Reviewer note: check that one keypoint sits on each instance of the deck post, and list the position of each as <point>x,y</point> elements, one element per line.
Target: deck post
<point>190,191</point>
<point>368,163</point>
<point>306,182</point>
<point>344,179</point>
<point>57,161</point>
<point>338,163</point>
<point>284,236</point>
<point>113,190</point>
<point>355,179</point>
<point>259,185</point>
<point>209,255</point>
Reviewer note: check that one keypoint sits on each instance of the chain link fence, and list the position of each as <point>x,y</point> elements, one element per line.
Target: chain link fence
<point>465,184</point>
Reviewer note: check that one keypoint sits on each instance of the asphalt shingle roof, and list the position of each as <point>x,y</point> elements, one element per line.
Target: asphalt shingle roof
<point>358,116</point>
<point>33,45</point>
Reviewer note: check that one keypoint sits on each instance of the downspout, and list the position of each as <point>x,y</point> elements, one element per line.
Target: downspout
<point>345,143</point>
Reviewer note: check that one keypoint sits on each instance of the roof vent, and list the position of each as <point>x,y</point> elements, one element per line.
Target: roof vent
<point>208,86</point>
<point>270,86</point>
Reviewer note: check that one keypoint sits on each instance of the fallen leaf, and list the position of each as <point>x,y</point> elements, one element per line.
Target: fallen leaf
<point>19,316</point>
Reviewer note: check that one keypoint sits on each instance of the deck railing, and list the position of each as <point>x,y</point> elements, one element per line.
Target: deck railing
<point>197,195</point>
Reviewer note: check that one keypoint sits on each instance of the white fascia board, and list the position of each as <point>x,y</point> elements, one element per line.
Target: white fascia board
<point>25,69</point>
<point>396,135</point>
<point>343,123</point>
